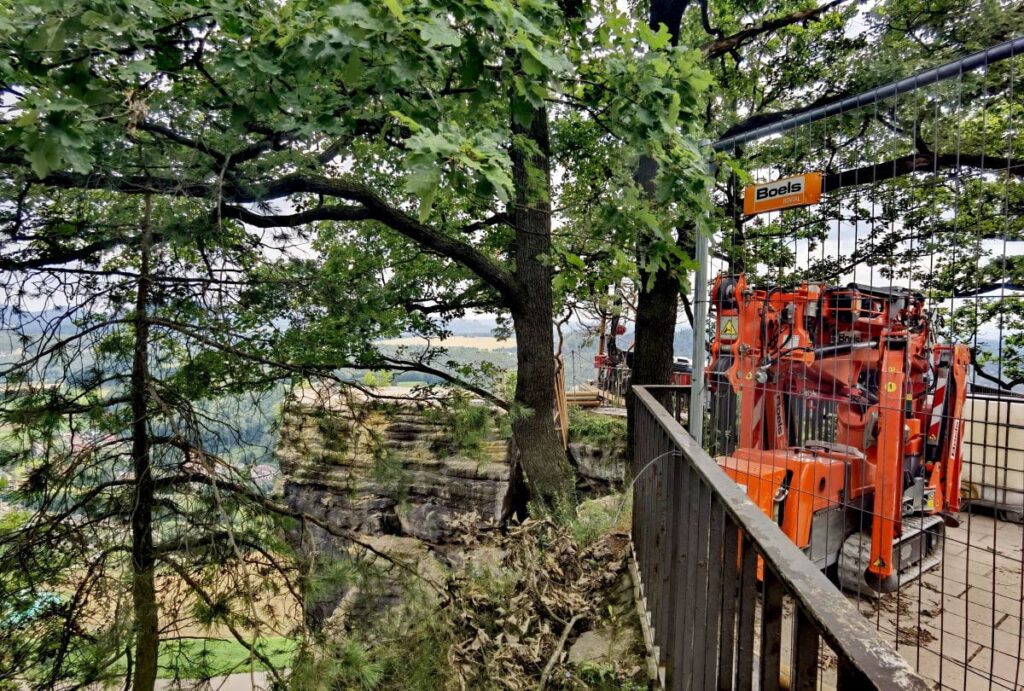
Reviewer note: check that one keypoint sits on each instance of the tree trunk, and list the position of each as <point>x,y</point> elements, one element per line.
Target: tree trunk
<point>737,242</point>
<point>548,473</point>
<point>143,583</point>
<point>658,300</point>
<point>655,330</point>
<point>655,336</point>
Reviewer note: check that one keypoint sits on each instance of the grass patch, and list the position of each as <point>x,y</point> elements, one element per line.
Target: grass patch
<point>201,658</point>
<point>598,517</point>
<point>602,431</point>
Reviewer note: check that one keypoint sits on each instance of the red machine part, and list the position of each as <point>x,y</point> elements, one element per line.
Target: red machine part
<point>898,399</point>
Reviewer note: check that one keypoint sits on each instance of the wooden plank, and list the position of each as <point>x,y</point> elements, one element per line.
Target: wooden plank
<point>690,582</point>
<point>669,530</point>
<point>851,678</point>
<point>716,573</point>
<point>681,621</point>
<point>747,611</point>
<point>701,634</point>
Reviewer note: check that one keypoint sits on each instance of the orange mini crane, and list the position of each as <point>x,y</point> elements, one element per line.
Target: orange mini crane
<point>847,431</point>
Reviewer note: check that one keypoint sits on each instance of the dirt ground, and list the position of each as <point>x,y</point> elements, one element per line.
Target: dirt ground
<point>959,625</point>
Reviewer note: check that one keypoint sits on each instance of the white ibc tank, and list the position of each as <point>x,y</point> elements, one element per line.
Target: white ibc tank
<point>993,451</point>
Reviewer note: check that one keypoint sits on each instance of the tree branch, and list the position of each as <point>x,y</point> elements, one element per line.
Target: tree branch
<point>988,288</point>
<point>765,119</point>
<point>178,138</point>
<point>730,43</point>
<point>441,307</point>
<point>80,254</point>
<point>919,162</point>
<point>705,21</point>
<point>375,208</point>
<point>282,510</point>
<point>322,213</point>
<point>201,593</point>
<point>980,371</point>
<point>379,210</point>
<point>415,366</point>
<point>496,219</point>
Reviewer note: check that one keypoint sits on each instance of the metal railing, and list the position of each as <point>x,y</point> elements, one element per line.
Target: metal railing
<point>905,167</point>
<point>715,574</point>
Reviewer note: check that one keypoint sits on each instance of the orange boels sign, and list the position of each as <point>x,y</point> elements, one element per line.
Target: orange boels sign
<point>799,190</point>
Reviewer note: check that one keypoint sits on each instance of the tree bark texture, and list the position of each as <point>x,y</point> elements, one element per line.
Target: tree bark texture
<point>146,625</point>
<point>548,473</point>
<point>656,308</point>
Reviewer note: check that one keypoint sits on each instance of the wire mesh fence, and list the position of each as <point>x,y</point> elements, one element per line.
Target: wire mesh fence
<point>867,355</point>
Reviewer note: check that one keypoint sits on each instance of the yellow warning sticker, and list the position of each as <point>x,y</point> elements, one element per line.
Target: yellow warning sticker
<point>891,387</point>
<point>729,329</point>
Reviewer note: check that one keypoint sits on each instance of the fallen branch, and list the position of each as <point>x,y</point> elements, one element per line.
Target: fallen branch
<point>558,652</point>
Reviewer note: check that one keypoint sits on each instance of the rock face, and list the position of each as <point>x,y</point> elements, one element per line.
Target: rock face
<point>392,471</point>
<point>601,465</point>
<point>390,468</point>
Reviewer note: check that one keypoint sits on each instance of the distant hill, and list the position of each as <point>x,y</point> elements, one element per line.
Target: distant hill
<point>476,326</point>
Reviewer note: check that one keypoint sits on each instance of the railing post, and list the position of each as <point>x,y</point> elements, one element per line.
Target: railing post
<point>805,653</point>
<point>771,631</point>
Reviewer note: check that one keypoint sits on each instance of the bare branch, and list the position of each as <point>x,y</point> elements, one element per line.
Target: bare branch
<point>416,366</point>
<point>178,138</point>
<point>920,162</point>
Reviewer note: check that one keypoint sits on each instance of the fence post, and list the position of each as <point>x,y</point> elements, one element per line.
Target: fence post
<point>700,316</point>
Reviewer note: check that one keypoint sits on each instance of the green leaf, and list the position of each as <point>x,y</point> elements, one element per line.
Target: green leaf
<point>500,180</point>
<point>436,32</point>
<point>355,14</point>
<point>353,69</point>
<point>472,63</point>
<point>406,120</point>
<point>395,7</point>
<point>424,183</point>
<point>240,115</point>
<point>654,40</point>
<point>522,111</point>
<point>49,37</point>
<point>44,157</point>
<point>532,66</point>
<point>91,18</point>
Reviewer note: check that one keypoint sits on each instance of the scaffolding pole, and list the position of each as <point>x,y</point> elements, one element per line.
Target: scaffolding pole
<point>997,53</point>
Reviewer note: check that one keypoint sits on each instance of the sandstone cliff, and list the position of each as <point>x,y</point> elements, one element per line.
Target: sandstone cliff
<point>389,466</point>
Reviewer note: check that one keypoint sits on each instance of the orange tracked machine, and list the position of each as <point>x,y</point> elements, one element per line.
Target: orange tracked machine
<point>841,416</point>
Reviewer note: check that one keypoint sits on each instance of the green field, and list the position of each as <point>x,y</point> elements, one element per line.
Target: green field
<point>200,658</point>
